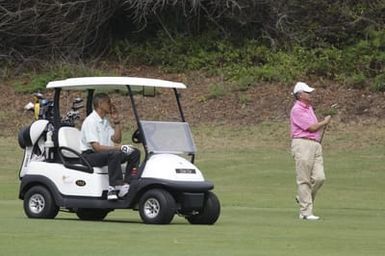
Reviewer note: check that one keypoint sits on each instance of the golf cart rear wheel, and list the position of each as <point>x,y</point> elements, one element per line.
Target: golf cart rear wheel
<point>91,214</point>
<point>39,203</point>
<point>210,212</point>
<point>157,206</point>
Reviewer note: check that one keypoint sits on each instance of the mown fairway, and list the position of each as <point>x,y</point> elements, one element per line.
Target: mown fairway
<point>254,179</point>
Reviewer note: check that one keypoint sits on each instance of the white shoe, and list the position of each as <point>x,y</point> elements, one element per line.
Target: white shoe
<point>111,194</point>
<point>308,217</point>
<point>123,190</point>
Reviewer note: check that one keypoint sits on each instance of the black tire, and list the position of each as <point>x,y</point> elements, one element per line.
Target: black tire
<point>157,206</point>
<point>92,214</point>
<point>39,203</point>
<point>210,212</point>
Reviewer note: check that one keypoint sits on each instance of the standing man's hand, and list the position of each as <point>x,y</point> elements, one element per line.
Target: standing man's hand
<point>317,126</point>
<point>327,119</point>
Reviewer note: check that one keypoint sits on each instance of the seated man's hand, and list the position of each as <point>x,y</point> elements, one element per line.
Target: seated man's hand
<point>115,118</point>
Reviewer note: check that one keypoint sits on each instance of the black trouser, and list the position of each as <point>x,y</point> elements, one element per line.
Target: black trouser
<point>133,160</point>
<point>113,159</point>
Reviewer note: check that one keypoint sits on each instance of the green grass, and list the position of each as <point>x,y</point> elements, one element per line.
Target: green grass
<point>254,180</point>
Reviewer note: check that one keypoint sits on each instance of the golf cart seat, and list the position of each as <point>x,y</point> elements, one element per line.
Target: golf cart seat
<point>69,150</point>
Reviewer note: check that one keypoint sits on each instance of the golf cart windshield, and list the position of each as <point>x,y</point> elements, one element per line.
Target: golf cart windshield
<point>168,137</point>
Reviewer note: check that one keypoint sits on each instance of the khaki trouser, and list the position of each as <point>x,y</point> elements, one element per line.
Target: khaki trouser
<point>310,172</point>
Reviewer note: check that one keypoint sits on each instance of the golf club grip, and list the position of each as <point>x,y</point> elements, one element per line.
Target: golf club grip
<point>323,133</point>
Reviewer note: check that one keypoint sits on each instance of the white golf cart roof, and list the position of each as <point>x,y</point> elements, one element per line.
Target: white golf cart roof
<point>82,83</point>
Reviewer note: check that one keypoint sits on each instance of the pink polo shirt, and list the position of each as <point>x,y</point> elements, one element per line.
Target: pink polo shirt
<point>301,118</point>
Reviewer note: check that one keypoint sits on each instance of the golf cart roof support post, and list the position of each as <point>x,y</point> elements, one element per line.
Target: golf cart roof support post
<point>56,116</point>
<point>137,119</point>
<point>177,96</point>
<point>90,97</point>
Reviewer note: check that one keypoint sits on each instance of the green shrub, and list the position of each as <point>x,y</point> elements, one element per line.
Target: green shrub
<point>243,64</point>
<point>354,80</point>
<point>323,62</point>
<point>216,91</point>
<point>37,80</point>
<point>244,99</point>
<point>243,83</point>
<point>379,83</point>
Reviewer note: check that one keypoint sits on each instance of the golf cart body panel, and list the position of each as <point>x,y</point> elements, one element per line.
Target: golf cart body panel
<point>70,181</point>
<point>171,167</point>
<point>185,190</point>
<point>55,174</point>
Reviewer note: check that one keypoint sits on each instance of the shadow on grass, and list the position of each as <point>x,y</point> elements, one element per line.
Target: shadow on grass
<point>118,221</point>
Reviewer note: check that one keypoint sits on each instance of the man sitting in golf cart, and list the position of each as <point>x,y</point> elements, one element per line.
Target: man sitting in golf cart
<point>101,145</point>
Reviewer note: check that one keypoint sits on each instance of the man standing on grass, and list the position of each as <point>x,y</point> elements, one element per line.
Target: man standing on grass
<point>306,149</point>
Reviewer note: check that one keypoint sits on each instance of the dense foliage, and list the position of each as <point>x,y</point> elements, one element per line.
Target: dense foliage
<point>274,40</point>
<point>359,65</point>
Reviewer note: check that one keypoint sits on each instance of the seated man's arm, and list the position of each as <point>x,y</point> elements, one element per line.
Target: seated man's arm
<point>97,147</point>
<point>115,118</point>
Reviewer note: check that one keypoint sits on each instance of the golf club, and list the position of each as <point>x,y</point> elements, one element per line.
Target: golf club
<point>332,113</point>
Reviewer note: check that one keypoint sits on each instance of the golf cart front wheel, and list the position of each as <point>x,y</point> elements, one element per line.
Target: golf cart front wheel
<point>39,203</point>
<point>210,212</point>
<point>157,206</point>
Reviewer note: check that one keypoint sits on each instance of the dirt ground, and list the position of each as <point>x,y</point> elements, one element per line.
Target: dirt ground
<point>259,102</point>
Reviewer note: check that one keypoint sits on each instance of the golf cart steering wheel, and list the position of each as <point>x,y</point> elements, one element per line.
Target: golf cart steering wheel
<point>137,136</point>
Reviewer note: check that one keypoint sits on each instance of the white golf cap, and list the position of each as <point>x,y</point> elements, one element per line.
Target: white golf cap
<point>302,87</point>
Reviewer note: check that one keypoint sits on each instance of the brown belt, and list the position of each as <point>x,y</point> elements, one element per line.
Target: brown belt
<point>305,138</point>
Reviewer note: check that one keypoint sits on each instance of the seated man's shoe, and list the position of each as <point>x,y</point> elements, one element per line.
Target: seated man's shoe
<point>111,194</point>
<point>308,217</point>
<point>123,190</point>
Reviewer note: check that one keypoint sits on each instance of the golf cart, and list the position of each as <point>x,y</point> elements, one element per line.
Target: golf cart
<point>54,176</point>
